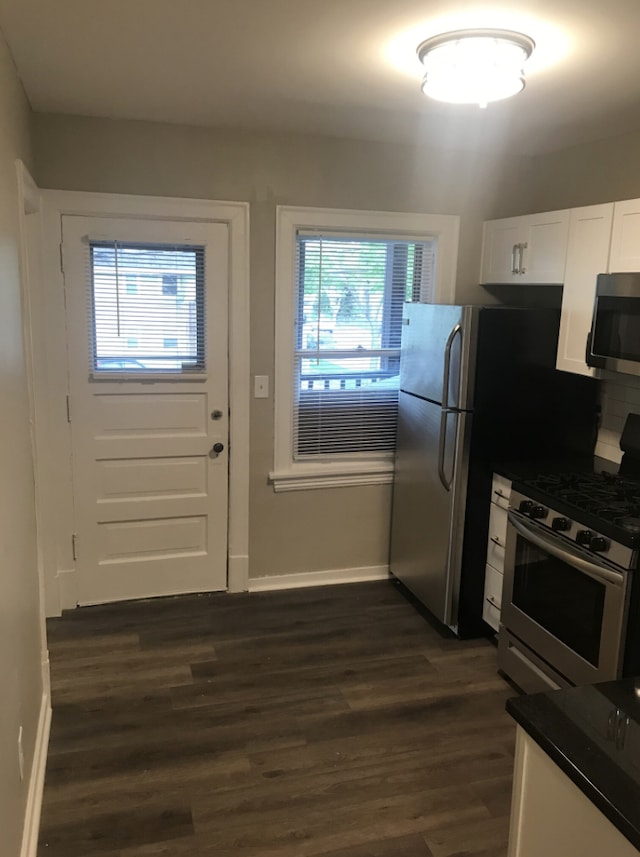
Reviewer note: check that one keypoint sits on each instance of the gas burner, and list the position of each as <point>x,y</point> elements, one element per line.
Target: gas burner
<point>613,513</point>
<point>604,502</point>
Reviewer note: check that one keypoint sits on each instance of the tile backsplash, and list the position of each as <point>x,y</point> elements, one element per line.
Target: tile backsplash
<point>619,396</point>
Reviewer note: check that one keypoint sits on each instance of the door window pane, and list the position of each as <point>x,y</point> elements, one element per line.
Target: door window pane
<point>156,326</point>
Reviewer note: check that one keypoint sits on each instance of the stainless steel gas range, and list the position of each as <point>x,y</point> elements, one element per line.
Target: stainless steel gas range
<point>571,553</point>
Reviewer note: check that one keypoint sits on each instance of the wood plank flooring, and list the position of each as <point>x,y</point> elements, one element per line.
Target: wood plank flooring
<point>333,721</point>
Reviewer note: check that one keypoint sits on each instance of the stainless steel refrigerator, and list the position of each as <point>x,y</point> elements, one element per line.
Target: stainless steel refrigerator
<point>478,386</point>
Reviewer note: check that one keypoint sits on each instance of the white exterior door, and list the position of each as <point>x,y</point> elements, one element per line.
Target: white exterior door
<point>146,305</point>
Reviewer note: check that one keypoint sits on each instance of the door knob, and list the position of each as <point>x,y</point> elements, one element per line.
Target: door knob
<point>216,415</point>
<point>216,449</point>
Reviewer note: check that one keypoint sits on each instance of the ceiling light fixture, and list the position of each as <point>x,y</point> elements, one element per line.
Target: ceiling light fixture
<point>474,66</point>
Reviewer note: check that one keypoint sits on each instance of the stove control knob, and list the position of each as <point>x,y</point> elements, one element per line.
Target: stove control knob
<point>583,537</point>
<point>526,506</point>
<point>539,512</point>
<point>599,544</point>
<point>561,525</point>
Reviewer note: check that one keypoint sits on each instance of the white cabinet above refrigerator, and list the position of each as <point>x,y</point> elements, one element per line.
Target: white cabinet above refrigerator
<point>525,250</point>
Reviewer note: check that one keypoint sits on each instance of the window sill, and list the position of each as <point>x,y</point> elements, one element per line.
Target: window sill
<point>306,478</point>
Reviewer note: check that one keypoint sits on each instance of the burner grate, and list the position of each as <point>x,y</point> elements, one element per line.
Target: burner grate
<point>603,497</point>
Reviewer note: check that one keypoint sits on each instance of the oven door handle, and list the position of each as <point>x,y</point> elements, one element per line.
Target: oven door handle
<point>591,568</point>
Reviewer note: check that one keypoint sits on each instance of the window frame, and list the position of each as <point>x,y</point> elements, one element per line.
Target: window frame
<point>289,474</point>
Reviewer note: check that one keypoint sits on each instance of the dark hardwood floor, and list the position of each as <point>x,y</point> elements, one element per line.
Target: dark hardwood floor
<point>332,721</point>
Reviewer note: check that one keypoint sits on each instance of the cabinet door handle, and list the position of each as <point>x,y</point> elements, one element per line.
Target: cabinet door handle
<point>496,541</point>
<point>492,601</point>
<point>498,491</point>
<point>514,263</point>
<point>521,267</point>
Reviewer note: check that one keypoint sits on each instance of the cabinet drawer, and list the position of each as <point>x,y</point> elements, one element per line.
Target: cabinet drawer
<point>497,536</point>
<point>501,490</point>
<point>492,597</point>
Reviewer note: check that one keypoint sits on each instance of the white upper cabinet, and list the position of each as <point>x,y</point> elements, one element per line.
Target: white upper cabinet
<point>500,248</point>
<point>569,247</point>
<point>545,255</point>
<point>527,249</point>
<point>625,237</point>
<point>587,256</point>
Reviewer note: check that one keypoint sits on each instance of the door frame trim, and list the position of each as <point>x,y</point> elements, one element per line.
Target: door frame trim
<point>53,382</point>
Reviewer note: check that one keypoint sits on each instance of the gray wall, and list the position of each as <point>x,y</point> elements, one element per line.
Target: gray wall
<point>602,171</point>
<point>20,640</point>
<point>322,529</point>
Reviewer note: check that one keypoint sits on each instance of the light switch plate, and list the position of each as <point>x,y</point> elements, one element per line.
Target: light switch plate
<point>261,386</point>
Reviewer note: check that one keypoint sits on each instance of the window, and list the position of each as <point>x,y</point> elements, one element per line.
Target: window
<point>342,279</point>
<point>133,327</point>
<point>349,296</point>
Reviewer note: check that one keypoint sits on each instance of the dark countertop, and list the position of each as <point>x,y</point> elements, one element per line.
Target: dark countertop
<point>593,734</point>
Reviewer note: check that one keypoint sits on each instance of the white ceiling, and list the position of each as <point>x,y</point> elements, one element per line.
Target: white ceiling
<point>338,67</point>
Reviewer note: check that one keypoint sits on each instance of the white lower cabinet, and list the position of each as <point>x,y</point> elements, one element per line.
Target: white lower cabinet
<point>497,537</point>
<point>494,569</point>
<point>551,817</point>
<point>492,597</point>
<point>501,491</point>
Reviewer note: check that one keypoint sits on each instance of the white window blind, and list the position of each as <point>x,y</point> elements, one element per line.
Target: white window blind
<point>146,307</point>
<point>349,295</point>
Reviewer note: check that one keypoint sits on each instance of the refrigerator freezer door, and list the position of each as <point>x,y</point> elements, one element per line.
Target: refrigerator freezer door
<point>428,517</point>
<point>438,343</point>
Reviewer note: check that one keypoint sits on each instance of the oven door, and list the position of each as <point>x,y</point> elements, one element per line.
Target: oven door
<point>566,605</point>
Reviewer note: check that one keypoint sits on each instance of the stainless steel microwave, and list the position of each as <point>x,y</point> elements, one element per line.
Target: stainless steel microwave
<point>614,340</point>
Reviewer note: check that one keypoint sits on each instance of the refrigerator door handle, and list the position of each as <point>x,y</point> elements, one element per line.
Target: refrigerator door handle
<point>446,483</point>
<point>457,329</point>
<point>442,444</point>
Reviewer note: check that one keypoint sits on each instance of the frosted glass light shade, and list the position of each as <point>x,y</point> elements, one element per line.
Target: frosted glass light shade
<point>474,66</point>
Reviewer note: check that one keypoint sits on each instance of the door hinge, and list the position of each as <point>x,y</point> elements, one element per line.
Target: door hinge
<point>61,259</point>
<point>68,408</point>
<point>74,546</point>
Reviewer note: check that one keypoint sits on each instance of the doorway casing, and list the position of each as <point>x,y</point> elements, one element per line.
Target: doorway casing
<point>53,445</point>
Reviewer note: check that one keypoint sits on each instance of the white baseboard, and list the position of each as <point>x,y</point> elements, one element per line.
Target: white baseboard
<point>36,782</point>
<point>238,574</point>
<point>45,670</point>
<point>319,578</point>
